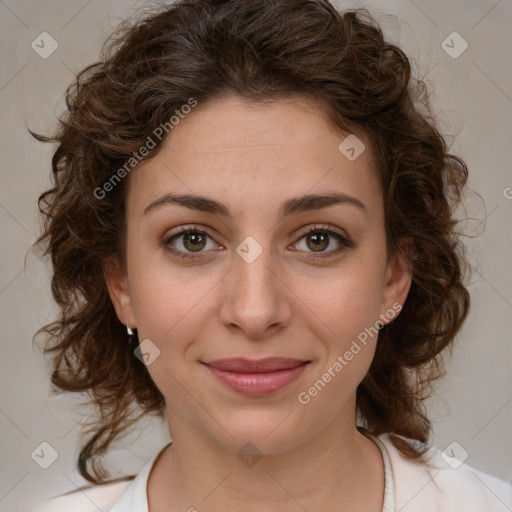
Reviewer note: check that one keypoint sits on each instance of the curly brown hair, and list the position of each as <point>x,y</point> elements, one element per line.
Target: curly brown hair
<point>153,64</point>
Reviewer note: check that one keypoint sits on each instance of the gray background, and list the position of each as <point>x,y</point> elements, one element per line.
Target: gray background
<point>473,95</point>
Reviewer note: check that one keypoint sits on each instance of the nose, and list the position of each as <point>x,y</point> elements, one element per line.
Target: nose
<point>256,298</point>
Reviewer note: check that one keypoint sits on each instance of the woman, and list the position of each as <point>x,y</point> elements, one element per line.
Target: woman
<point>252,236</point>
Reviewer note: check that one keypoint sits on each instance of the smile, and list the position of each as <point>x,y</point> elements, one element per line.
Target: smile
<point>257,378</point>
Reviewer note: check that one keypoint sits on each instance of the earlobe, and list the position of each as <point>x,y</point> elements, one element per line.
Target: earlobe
<point>119,291</point>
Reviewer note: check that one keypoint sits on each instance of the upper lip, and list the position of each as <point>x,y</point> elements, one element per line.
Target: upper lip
<point>269,364</point>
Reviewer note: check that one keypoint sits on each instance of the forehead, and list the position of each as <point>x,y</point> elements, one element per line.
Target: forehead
<point>251,155</point>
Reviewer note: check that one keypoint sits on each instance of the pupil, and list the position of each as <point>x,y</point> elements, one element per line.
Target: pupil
<point>194,238</point>
<point>319,239</point>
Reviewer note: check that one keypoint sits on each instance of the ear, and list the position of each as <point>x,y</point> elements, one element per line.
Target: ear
<point>397,282</point>
<point>119,291</point>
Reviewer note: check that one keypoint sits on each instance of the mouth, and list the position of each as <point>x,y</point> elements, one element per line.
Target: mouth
<point>256,377</point>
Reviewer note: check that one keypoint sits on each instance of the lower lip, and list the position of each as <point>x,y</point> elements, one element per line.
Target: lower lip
<point>258,384</point>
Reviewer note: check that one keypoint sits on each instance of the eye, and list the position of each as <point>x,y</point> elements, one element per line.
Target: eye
<point>193,239</point>
<point>318,238</point>
<point>192,242</point>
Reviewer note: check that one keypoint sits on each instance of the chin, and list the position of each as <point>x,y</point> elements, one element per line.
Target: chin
<point>265,433</point>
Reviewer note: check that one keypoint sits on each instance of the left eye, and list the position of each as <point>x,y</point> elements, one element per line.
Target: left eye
<point>319,239</point>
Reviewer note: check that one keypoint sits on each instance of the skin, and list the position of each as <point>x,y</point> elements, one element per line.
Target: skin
<point>252,157</point>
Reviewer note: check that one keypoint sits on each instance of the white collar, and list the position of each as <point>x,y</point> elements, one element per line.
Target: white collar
<point>135,497</point>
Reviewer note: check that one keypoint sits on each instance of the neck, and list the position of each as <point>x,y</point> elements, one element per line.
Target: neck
<point>339,469</point>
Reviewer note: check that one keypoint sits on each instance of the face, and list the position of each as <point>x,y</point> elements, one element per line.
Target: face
<point>248,280</point>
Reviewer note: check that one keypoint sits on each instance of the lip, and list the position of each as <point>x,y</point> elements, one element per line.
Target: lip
<point>256,377</point>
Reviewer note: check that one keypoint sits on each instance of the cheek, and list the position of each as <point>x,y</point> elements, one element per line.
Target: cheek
<point>170,308</point>
<point>344,302</point>
<point>349,309</point>
<point>169,305</point>
<point>164,294</point>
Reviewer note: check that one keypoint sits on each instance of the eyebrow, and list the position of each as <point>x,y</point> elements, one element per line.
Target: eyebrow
<point>289,207</point>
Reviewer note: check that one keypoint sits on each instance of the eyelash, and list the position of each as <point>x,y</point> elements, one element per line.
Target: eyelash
<point>345,242</point>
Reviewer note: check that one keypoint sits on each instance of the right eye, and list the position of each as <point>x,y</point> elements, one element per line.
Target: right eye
<point>193,240</point>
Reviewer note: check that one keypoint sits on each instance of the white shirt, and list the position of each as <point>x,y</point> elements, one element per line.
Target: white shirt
<point>444,485</point>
